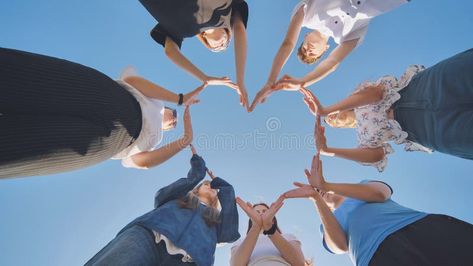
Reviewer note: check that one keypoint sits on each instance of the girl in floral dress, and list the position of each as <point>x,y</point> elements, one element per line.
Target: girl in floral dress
<point>426,109</point>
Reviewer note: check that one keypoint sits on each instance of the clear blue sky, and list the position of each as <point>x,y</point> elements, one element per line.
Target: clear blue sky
<point>65,219</point>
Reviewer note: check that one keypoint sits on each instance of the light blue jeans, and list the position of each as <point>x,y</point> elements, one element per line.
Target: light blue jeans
<point>135,246</point>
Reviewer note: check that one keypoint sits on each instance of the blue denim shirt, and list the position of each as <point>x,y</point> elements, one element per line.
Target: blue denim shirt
<point>187,228</point>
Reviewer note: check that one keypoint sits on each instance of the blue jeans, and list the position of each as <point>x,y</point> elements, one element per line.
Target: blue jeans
<point>436,108</point>
<point>136,246</point>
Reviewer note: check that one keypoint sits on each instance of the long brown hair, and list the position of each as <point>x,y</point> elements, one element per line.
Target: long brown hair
<point>191,201</point>
<point>250,223</point>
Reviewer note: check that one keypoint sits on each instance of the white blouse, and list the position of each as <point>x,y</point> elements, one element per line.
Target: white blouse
<point>265,253</point>
<point>374,128</point>
<point>150,136</point>
<point>343,20</point>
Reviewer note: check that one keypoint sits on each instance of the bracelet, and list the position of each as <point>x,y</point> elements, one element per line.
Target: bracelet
<point>181,99</point>
<point>272,230</point>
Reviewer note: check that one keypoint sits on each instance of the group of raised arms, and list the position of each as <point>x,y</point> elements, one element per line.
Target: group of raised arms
<point>57,116</point>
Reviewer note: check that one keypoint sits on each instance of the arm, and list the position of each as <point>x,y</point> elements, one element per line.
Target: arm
<point>290,250</point>
<point>334,236</point>
<point>172,51</point>
<point>227,229</point>
<point>331,63</point>
<point>287,45</point>
<point>240,57</point>
<point>367,96</point>
<point>148,159</point>
<point>182,186</point>
<point>151,90</point>
<point>369,192</point>
<point>242,253</point>
<point>363,155</point>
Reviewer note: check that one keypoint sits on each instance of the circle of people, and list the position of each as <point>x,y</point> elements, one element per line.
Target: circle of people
<point>426,109</point>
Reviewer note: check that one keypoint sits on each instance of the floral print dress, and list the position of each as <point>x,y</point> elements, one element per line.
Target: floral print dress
<point>374,128</point>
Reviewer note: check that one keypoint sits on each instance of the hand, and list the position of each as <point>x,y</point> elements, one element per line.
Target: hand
<point>315,175</point>
<point>289,83</point>
<point>302,191</point>
<point>261,96</point>
<point>210,173</point>
<point>188,133</point>
<point>191,97</point>
<point>252,214</point>
<point>194,151</point>
<point>313,103</point>
<point>217,81</point>
<point>319,135</point>
<point>241,90</point>
<point>268,216</point>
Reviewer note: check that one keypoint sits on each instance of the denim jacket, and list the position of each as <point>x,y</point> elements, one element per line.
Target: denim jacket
<point>187,228</point>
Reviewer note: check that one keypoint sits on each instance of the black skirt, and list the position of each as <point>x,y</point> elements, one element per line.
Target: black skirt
<point>56,115</point>
<point>436,240</point>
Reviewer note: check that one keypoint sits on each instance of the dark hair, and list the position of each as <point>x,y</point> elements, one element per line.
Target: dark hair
<point>250,223</point>
<point>190,201</point>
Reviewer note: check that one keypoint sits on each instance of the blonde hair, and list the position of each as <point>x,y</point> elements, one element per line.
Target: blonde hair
<point>191,201</point>
<point>205,42</point>
<point>304,58</point>
<point>349,122</point>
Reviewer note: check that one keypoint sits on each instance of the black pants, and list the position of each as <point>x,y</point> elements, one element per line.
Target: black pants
<point>56,115</point>
<point>434,240</point>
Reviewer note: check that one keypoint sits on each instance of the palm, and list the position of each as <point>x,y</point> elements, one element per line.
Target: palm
<point>267,217</point>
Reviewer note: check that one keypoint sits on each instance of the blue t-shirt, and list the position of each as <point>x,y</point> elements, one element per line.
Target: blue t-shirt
<point>366,225</point>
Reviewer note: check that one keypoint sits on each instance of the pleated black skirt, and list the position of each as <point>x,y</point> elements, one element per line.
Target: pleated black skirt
<point>57,116</point>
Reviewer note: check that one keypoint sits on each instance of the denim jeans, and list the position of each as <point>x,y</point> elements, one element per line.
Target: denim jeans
<point>135,246</point>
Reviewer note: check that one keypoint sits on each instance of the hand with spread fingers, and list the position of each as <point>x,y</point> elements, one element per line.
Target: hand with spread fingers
<point>319,135</point>
<point>191,97</point>
<point>315,107</point>
<point>247,207</point>
<point>268,216</point>
<point>289,83</point>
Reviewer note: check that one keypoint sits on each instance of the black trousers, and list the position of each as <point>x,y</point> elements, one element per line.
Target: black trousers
<point>436,240</point>
<point>56,115</point>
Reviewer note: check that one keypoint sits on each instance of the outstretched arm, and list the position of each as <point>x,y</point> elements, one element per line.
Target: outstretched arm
<point>174,54</point>
<point>240,58</point>
<point>363,155</point>
<point>368,95</point>
<point>150,159</point>
<point>281,57</point>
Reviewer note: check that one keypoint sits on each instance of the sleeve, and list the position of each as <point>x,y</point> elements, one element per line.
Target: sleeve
<point>378,181</point>
<point>302,4</point>
<point>381,164</point>
<point>324,244</point>
<point>240,9</point>
<point>182,186</point>
<point>227,229</point>
<point>159,34</point>
<point>357,34</point>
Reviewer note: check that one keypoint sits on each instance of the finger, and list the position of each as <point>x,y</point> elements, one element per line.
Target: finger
<point>315,162</point>
<point>298,184</point>
<point>307,173</point>
<point>193,149</point>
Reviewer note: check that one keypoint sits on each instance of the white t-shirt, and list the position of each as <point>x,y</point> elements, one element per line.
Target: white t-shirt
<point>265,253</point>
<point>150,136</point>
<point>343,20</point>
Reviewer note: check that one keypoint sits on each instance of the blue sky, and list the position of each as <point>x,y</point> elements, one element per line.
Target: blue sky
<point>65,219</point>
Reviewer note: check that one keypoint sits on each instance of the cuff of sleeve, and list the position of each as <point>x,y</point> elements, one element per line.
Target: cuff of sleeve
<point>197,161</point>
<point>218,183</point>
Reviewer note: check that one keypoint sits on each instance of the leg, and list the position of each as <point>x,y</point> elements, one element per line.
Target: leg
<point>40,145</point>
<point>33,84</point>
<point>436,108</point>
<point>134,246</point>
<point>431,241</point>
